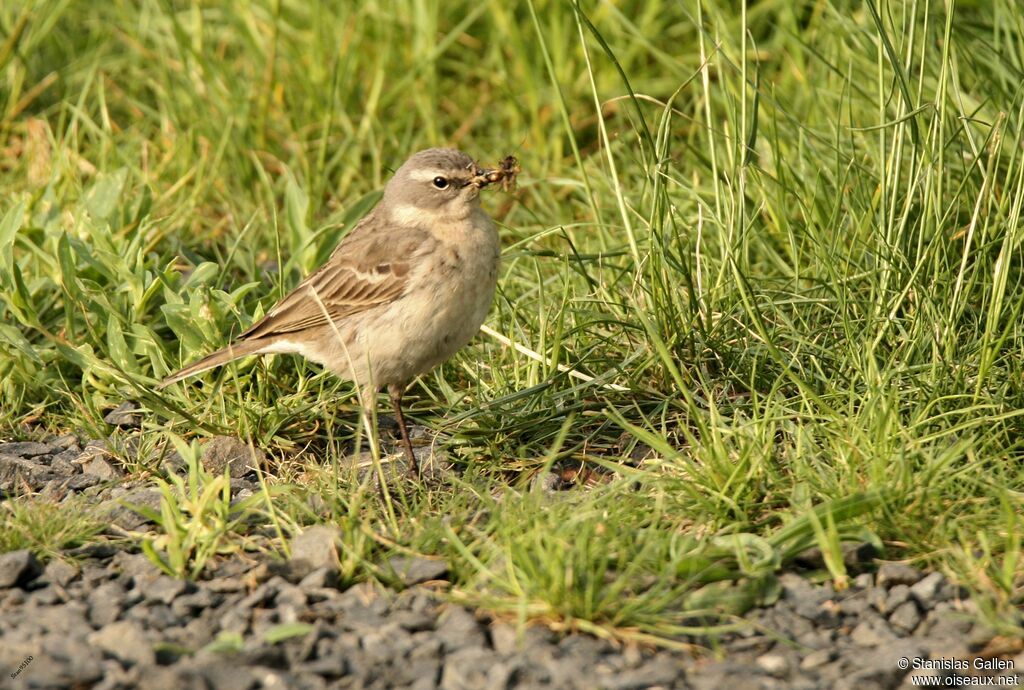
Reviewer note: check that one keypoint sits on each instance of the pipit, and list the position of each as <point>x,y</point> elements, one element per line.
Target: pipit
<point>403,291</point>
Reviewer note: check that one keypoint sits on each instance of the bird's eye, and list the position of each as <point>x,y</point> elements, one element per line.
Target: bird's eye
<point>441,182</point>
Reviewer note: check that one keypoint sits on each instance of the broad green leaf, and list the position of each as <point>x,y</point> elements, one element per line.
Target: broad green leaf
<point>68,272</point>
<point>117,346</point>
<point>101,200</point>
<point>14,337</point>
<point>203,276</point>
<point>9,226</point>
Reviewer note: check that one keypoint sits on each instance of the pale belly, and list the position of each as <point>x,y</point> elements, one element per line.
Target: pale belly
<point>440,314</point>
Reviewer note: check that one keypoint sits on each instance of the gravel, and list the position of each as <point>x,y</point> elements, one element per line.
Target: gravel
<point>107,618</point>
<point>18,567</point>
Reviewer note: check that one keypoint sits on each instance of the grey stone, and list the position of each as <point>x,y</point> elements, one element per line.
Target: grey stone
<point>503,674</point>
<point>81,482</point>
<point>92,449</point>
<point>64,462</point>
<point>817,639</point>
<point>930,590</point>
<point>458,628</point>
<point>69,454</point>
<point>359,609</point>
<point>466,669</point>
<point>817,658</point>
<point>27,449</point>
<point>583,648</point>
<point>16,648</point>
<point>64,442</point>
<point>47,596</point>
<point>122,511</point>
<point>893,573</point>
<point>414,571</point>
<point>135,565</point>
<point>129,448</point>
<point>229,676</point>
<point>188,605</point>
<point>17,473</point>
<point>898,595</point>
<point>979,636</point>
<point>166,589</point>
<point>324,577</point>
<point>197,632</point>
<point>11,599</point>
<point>154,617</point>
<point>657,672</point>
<point>773,664</point>
<point>533,671</point>
<point>388,642</point>
<point>176,677</point>
<point>173,463</point>
<point>101,467</point>
<point>296,681</point>
<point>96,446</point>
<point>856,555</point>
<point>784,619</point>
<point>426,674</point>
<point>68,619</point>
<point>93,574</point>
<point>315,547</point>
<point>504,638</point>
<point>236,455</point>
<point>876,597</point>
<point>292,570</point>
<point>243,488</point>
<point>905,617</point>
<point>413,621</point>
<point>331,666</point>
<point>46,671</point>
<point>879,668</point>
<point>547,483</point>
<point>872,633</point>
<point>825,613</point>
<point>418,599</point>
<point>853,606</point>
<point>426,645</point>
<point>81,665</point>
<point>225,584</point>
<point>947,625</point>
<point>289,603</point>
<point>797,589</point>
<point>257,651</point>
<point>105,604</point>
<point>18,568</point>
<point>264,594</point>
<point>124,416</point>
<point>125,641</point>
<point>235,620</point>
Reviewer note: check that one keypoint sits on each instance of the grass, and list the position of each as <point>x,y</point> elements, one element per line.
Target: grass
<point>783,241</point>
<point>45,526</point>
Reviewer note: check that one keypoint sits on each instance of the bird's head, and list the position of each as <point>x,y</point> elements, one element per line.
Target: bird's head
<point>442,183</point>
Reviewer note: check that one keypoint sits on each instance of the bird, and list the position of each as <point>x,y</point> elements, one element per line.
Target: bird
<point>404,290</point>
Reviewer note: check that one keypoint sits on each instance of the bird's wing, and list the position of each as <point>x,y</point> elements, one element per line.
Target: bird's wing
<point>368,269</point>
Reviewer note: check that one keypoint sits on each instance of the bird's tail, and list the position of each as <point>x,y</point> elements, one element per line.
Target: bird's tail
<point>223,356</point>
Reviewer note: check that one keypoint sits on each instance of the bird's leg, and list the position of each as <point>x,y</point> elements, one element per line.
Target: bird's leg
<point>395,391</point>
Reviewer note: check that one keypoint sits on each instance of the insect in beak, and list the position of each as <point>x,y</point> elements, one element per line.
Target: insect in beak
<point>505,173</point>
